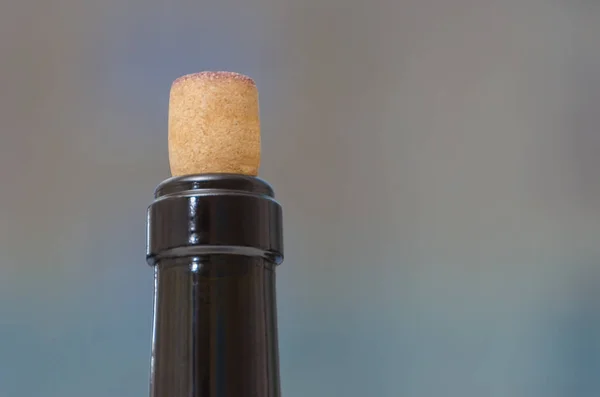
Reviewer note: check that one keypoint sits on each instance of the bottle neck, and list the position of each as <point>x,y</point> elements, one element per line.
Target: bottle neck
<point>215,327</point>
<point>214,241</point>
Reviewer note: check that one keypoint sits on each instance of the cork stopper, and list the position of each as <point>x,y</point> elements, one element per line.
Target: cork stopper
<point>214,124</point>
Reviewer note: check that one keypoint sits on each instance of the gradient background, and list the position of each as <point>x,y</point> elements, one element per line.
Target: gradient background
<point>437,162</point>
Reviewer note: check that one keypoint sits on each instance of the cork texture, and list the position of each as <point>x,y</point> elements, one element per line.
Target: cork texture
<point>214,124</point>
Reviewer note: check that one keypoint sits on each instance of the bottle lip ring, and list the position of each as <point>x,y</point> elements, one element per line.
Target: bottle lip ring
<point>214,214</point>
<point>229,182</point>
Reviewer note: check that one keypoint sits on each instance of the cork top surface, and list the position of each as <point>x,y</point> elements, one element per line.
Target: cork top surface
<point>214,124</point>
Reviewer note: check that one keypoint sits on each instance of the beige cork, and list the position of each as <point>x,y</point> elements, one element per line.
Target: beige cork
<point>214,124</point>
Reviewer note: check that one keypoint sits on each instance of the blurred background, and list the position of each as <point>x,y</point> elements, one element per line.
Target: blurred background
<point>437,162</point>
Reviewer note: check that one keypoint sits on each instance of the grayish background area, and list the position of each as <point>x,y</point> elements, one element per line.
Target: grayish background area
<point>437,162</point>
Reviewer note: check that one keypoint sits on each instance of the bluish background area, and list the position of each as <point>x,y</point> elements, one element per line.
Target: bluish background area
<point>437,162</point>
